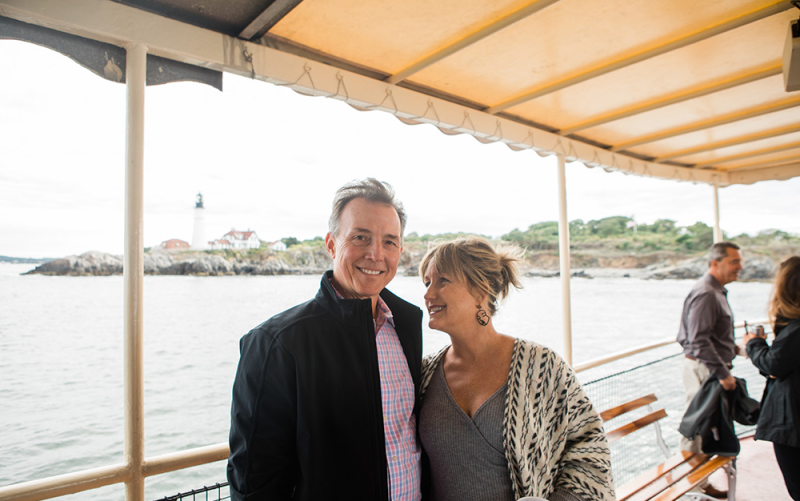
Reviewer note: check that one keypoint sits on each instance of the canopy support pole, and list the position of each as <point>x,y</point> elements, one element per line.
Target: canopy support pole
<point>717,230</point>
<point>133,273</point>
<point>563,258</point>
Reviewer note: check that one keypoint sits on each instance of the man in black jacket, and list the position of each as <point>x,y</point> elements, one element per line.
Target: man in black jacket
<point>325,397</point>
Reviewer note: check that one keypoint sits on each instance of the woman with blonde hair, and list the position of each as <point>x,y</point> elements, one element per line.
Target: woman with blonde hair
<point>780,363</point>
<point>501,418</point>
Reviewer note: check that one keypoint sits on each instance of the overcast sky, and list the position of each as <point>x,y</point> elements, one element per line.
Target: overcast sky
<point>270,160</point>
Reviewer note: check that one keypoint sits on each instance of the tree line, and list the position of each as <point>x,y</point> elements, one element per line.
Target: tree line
<point>620,232</point>
<point>626,234</point>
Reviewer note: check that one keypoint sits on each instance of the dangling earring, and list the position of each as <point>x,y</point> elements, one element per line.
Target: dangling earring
<point>481,316</point>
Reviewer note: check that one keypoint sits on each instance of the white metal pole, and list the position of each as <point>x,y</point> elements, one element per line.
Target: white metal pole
<point>717,230</point>
<point>133,273</point>
<point>563,257</point>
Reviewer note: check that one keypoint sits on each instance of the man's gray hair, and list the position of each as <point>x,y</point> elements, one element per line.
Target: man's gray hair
<point>719,251</point>
<point>371,190</point>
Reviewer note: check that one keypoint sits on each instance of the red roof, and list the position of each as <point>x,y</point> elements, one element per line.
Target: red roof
<point>173,243</point>
<point>239,235</point>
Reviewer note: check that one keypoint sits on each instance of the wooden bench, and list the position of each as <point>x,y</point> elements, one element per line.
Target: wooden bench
<point>679,473</point>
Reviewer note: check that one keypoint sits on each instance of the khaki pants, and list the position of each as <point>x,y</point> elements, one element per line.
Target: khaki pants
<point>693,373</point>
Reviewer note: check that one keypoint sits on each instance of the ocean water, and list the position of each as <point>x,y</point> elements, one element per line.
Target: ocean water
<point>61,356</point>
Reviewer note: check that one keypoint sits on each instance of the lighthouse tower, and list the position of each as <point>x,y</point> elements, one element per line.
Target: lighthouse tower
<point>199,241</point>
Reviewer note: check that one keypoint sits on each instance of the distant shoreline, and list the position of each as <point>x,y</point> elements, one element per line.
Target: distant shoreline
<point>658,251</point>
<point>24,260</point>
<point>315,260</point>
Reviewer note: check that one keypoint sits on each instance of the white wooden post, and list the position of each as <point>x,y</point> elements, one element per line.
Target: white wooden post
<point>717,230</point>
<point>133,273</point>
<point>563,257</point>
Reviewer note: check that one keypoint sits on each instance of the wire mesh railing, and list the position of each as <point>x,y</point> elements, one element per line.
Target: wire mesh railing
<point>216,492</point>
<point>639,451</point>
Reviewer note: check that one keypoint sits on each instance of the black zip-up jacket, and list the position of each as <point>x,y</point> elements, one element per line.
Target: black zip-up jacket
<point>711,414</point>
<point>780,405</point>
<point>306,415</point>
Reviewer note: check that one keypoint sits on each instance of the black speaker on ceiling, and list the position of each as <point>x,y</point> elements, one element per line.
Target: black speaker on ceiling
<point>791,58</point>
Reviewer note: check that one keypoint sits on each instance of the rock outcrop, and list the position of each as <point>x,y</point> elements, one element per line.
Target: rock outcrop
<point>684,270</point>
<point>88,263</point>
<point>188,263</point>
<point>538,272</point>
<point>756,268</point>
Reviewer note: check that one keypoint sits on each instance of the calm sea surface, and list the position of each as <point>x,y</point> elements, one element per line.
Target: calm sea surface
<point>61,356</point>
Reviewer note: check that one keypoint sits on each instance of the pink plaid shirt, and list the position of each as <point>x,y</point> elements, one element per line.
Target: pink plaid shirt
<point>399,422</point>
<point>397,402</point>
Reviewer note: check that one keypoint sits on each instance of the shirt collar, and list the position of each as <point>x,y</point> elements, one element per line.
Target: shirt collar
<point>384,313</point>
<point>338,294</point>
<point>715,283</point>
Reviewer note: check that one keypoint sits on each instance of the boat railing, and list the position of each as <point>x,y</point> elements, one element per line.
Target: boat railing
<point>628,457</point>
<point>639,452</point>
<point>613,357</point>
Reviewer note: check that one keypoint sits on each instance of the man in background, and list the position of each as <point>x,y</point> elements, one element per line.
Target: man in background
<point>706,333</point>
<point>325,397</point>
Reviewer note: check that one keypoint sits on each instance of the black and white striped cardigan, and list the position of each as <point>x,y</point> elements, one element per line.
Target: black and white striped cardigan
<point>554,440</point>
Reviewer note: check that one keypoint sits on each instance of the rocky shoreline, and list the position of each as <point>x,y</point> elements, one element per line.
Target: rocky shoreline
<point>756,269</point>
<point>96,263</point>
<point>315,261</point>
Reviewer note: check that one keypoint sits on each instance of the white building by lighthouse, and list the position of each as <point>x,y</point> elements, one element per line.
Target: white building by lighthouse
<point>199,241</point>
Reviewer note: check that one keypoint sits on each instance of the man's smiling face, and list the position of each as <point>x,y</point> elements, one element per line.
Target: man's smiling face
<point>366,250</point>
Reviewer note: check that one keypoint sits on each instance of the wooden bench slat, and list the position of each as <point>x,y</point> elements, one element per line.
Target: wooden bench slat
<point>650,476</point>
<point>635,425</point>
<point>627,407</point>
<point>672,478</point>
<point>694,478</point>
<point>669,478</point>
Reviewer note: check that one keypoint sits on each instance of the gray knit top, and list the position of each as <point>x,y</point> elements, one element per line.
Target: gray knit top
<point>467,455</point>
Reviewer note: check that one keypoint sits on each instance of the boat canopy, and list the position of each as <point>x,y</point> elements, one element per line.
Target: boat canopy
<point>675,89</point>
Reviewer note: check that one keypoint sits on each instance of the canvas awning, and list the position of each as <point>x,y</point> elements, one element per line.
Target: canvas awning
<point>675,89</point>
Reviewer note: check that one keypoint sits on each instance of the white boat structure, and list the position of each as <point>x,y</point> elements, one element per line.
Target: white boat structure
<point>677,89</point>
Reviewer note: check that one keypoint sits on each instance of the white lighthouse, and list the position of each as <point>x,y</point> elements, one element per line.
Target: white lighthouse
<point>199,241</point>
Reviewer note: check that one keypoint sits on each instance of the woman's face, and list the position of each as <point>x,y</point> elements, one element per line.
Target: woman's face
<point>449,303</point>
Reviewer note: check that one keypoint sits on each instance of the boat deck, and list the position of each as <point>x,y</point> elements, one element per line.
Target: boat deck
<point>758,478</point>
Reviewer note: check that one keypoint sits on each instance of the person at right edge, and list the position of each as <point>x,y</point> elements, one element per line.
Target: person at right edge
<point>706,334</point>
<point>780,405</point>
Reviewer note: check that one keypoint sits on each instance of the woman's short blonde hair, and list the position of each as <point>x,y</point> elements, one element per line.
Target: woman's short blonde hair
<point>485,270</point>
<point>785,304</point>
